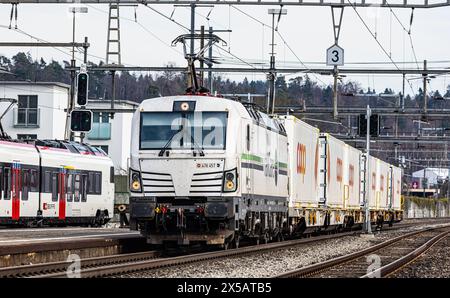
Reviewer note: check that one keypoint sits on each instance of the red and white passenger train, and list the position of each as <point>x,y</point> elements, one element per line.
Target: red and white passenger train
<point>54,182</point>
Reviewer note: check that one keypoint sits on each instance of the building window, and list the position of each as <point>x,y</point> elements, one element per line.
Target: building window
<point>101,127</point>
<point>26,137</point>
<point>100,117</point>
<point>27,112</point>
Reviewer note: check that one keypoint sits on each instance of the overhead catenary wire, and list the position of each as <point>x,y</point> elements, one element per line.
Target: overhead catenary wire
<point>282,38</point>
<point>377,41</point>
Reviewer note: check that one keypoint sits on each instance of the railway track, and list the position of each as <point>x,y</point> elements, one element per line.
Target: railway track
<point>134,262</point>
<point>395,253</point>
<point>88,263</point>
<point>135,266</point>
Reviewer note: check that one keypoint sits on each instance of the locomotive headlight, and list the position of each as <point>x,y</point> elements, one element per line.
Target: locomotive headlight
<point>135,181</point>
<point>230,181</point>
<point>229,185</point>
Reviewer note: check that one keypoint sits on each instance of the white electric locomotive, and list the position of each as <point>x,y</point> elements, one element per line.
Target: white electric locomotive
<point>54,182</point>
<point>214,170</point>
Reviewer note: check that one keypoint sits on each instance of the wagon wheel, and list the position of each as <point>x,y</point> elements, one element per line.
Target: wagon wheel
<point>236,240</point>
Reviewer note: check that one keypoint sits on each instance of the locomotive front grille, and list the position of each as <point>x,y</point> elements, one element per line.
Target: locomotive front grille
<point>207,183</point>
<point>157,183</point>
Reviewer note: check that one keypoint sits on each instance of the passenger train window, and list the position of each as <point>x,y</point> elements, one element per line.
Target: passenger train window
<point>7,183</point>
<point>54,187</point>
<point>91,183</point>
<point>25,184</point>
<point>83,188</point>
<point>77,188</point>
<point>111,175</point>
<point>47,182</point>
<point>69,187</point>
<point>34,181</point>
<point>1,182</point>
<point>98,183</point>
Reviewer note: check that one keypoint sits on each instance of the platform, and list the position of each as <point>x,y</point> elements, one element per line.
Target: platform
<point>36,245</point>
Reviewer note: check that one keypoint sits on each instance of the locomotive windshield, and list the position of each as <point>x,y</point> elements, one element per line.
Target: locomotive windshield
<point>177,130</point>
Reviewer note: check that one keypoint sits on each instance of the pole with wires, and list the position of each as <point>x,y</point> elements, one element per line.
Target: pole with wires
<point>272,71</point>
<point>368,225</point>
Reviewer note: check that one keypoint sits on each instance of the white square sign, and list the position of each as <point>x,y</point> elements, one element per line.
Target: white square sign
<point>335,56</point>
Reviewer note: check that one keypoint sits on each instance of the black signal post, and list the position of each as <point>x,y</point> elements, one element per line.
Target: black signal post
<point>81,120</point>
<point>82,89</point>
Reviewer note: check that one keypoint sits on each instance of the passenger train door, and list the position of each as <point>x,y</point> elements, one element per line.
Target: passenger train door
<point>62,194</point>
<point>16,190</point>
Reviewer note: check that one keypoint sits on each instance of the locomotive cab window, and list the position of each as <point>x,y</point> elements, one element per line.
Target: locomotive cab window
<point>176,130</point>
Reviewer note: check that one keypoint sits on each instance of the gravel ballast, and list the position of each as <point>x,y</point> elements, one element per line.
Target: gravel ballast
<point>271,263</point>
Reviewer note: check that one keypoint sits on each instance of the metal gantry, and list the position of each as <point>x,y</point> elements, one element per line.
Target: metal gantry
<point>346,3</point>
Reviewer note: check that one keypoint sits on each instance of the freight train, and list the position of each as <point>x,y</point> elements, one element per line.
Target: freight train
<point>215,170</point>
<point>54,182</point>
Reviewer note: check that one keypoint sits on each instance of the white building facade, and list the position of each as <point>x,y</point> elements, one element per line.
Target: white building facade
<point>40,110</point>
<point>112,135</point>
<point>40,113</point>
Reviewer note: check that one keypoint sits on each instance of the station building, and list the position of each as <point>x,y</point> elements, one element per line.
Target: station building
<point>40,113</point>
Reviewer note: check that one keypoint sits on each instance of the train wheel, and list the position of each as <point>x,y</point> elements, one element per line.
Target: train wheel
<point>236,241</point>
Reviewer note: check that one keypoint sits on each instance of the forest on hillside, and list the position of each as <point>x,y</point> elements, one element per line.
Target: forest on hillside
<point>297,91</point>
<point>139,86</point>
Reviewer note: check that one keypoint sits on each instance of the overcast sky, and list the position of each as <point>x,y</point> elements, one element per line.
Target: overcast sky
<point>307,30</point>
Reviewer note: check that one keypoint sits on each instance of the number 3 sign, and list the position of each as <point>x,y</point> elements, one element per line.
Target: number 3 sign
<point>335,55</point>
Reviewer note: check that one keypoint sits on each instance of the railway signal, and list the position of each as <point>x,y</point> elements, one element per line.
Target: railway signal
<point>82,89</point>
<point>374,125</point>
<point>81,120</point>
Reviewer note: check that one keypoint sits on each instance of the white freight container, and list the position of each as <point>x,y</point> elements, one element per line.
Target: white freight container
<point>351,177</point>
<point>333,165</point>
<point>303,150</point>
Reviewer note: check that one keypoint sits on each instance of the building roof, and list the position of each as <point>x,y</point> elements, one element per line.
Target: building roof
<point>116,102</point>
<point>28,83</point>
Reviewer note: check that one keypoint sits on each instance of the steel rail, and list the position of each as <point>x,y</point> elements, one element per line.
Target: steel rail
<point>316,268</point>
<point>60,268</point>
<point>53,267</point>
<point>180,260</point>
<point>406,260</point>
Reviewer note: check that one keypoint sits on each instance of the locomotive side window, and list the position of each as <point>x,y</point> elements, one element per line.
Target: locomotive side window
<point>25,184</point>
<point>54,186</point>
<point>7,183</point>
<point>248,137</point>
<point>111,175</point>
